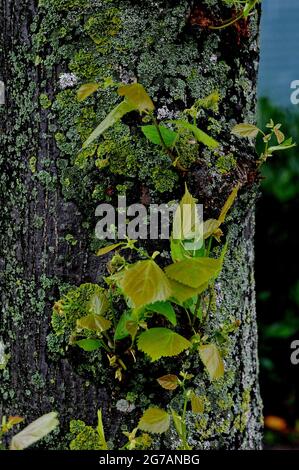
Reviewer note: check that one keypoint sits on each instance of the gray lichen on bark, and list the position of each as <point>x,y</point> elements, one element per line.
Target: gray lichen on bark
<point>43,198</point>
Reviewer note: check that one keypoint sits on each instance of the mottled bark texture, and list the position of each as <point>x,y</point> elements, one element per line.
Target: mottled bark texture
<point>48,198</point>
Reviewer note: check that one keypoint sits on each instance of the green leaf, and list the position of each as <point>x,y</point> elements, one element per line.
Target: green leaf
<point>162,342</point>
<point>34,431</point>
<point>287,144</point>
<point>151,133</point>
<point>89,344</point>
<point>178,252</point>
<point>177,421</point>
<point>248,7</point>
<point>186,223</point>
<point>115,115</point>
<point>197,404</point>
<point>101,433</point>
<point>154,420</point>
<point>132,327</point>
<point>145,283</point>
<point>200,135</point>
<point>194,272</point>
<point>212,360</point>
<point>228,204</point>
<point>245,130</point>
<point>121,331</point>
<point>165,309</point>
<point>98,304</point>
<point>137,97</point>
<point>107,249</point>
<point>210,226</point>
<point>181,293</point>
<point>168,382</point>
<point>86,90</point>
<point>94,323</point>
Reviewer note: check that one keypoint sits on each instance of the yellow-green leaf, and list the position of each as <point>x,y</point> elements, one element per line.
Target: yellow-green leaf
<point>186,223</point>
<point>34,431</point>
<point>194,272</point>
<point>86,90</point>
<point>212,360</point>
<point>107,249</point>
<point>161,342</point>
<point>210,226</point>
<point>145,283</point>
<point>200,135</point>
<point>132,328</point>
<point>115,115</point>
<point>245,130</point>
<point>197,403</point>
<point>154,420</point>
<point>94,322</point>
<point>169,382</point>
<point>228,204</point>
<point>137,97</point>
<point>181,293</point>
<point>98,304</point>
<point>177,421</point>
<point>101,433</point>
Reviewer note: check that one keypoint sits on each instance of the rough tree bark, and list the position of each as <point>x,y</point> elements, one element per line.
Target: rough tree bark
<point>167,46</point>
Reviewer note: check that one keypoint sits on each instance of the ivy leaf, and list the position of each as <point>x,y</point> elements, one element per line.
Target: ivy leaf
<point>145,283</point>
<point>89,344</point>
<point>94,323</point>
<point>200,135</point>
<point>151,133</point>
<point>181,293</point>
<point>169,382</point>
<point>212,360</point>
<point>194,272</point>
<point>228,204</point>
<point>197,403</point>
<point>245,130</point>
<point>162,342</point>
<point>154,420</point>
<point>34,431</point>
<point>86,90</point>
<point>107,249</point>
<point>165,309</point>
<point>137,97</point>
<point>115,115</point>
<point>121,331</point>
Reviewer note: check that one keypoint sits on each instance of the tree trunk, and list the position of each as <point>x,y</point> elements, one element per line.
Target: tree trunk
<point>48,201</point>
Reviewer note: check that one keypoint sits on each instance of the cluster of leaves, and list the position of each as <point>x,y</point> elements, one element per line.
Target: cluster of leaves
<point>32,433</point>
<point>179,294</point>
<point>153,421</point>
<point>273,132</point>
<point>167,135</point>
